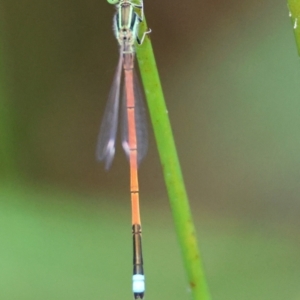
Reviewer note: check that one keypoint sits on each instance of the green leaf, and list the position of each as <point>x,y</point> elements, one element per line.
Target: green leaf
<point>294,7</point>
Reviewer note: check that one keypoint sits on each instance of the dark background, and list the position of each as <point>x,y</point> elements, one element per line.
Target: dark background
<point>230,74</point>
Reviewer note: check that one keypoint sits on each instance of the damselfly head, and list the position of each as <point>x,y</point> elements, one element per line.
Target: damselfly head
<point>114,2</point>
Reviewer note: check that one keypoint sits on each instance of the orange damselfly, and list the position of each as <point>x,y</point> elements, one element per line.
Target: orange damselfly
<point>133,121</point>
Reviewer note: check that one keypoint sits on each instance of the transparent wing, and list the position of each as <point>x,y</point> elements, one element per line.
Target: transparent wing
<point>105,150</point>
<point>140,121</point>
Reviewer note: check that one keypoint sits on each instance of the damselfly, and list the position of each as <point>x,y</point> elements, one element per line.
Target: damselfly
<point>133,122</point>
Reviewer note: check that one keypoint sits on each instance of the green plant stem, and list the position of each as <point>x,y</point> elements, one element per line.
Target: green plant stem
<point>294,7</point>
<point>171,169</point>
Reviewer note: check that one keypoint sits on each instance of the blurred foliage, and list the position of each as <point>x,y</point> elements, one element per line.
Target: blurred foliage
<point>55,247</point>
<point>6,114</point>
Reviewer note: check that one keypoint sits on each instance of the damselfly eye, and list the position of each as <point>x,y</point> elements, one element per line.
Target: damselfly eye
<point>113,1</point>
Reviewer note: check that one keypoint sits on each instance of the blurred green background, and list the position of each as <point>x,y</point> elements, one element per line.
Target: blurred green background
<point>230,74</point>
